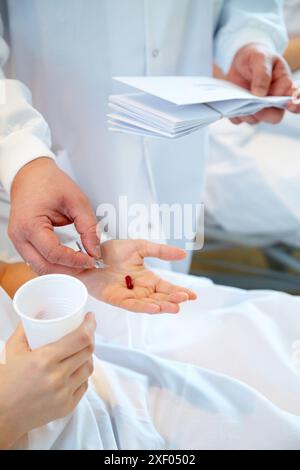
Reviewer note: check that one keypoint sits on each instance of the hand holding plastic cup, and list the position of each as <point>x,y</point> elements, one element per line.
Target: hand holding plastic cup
<point>50,307</point>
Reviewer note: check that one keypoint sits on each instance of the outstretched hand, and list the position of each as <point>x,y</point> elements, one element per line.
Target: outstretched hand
<point>150,293</point>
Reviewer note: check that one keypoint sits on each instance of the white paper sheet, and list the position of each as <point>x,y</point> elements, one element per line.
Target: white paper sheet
<point>183,90</point>
<point>172,107</point>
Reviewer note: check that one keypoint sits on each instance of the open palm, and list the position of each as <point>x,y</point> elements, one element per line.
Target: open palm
<point>150,294</point>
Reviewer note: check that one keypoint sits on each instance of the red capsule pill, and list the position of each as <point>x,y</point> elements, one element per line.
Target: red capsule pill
<point>129,282</point>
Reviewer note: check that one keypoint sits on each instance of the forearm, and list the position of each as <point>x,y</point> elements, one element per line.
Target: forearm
<point>292,54</point>
<point>12,276</point>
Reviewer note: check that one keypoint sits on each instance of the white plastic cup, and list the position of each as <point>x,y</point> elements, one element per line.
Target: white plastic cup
<point>50,307</point>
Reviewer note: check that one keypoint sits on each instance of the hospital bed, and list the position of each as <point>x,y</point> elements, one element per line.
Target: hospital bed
<point>223,374</point>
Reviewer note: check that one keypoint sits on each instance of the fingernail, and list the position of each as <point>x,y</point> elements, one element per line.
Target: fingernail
<point>97,250</point>
<point>90,323</point>
<point>259,92</point>
<point>90,264</point>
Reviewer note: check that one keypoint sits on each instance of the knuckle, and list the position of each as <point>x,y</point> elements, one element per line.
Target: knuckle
<point>91,228</point>
<point>24,226</point>
<point>85,386</point>
<point>90,366</point>
<point>53,382</point>
<point>85,338</point>
<point>52,255</point>
<point>16,228</point>
<point>41,268</point>
<point>262,78</point>
<point>259,56</point>
<point>91,348</point>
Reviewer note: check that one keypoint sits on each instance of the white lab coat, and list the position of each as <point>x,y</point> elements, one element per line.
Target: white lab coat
<point>66,52</point>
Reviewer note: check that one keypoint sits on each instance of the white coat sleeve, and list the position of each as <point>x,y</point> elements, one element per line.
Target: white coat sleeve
<point>24,134</point>
<point>242,22</point>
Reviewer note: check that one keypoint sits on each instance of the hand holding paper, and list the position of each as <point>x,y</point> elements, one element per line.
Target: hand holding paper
<point>172,107</point>
<point>257,68</point>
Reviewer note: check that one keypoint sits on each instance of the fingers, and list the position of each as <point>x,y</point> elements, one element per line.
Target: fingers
<point>270,115</point>
<point>75,341</point>
<point>72,363</point>
<point>140,306</point>
<point>293,108</point>
<point>261,66</point>
<point>178,297</point>
<point>81,375</point>
<point>156,303</point>
<point>166,287</point>
<point>40,265</point>
<point>79,393</point>
<point>282,81</point>
<point>294,105</point>
<point>236,120</point>
<point>86,225</point>
<point>252,120</point>
<point>247,119</point>
<point>47,244</point>
<point>165,305</point>
<point>161,251</point>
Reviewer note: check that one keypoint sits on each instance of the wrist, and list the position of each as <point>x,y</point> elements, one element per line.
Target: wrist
<point>94,280</point>
<point>36,164</point>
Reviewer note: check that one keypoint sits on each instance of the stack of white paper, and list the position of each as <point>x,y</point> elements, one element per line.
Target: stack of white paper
<point>172,107</point>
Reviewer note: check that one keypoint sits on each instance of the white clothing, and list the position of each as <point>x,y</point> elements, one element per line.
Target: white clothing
<point>223,374</point>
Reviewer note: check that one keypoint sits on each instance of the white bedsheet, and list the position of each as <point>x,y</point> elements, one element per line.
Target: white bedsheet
<point>223,374</point>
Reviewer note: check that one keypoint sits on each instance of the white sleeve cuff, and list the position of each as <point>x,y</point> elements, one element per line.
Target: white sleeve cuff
<point>227,46</point>
<point>16,150</point>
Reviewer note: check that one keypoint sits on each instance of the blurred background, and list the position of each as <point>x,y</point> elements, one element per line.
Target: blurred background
<point>252,199</point>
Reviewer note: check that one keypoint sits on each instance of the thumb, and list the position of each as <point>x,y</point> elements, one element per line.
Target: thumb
<point>17,342</point>
<point>261,73</point>
<point>85,222</point>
